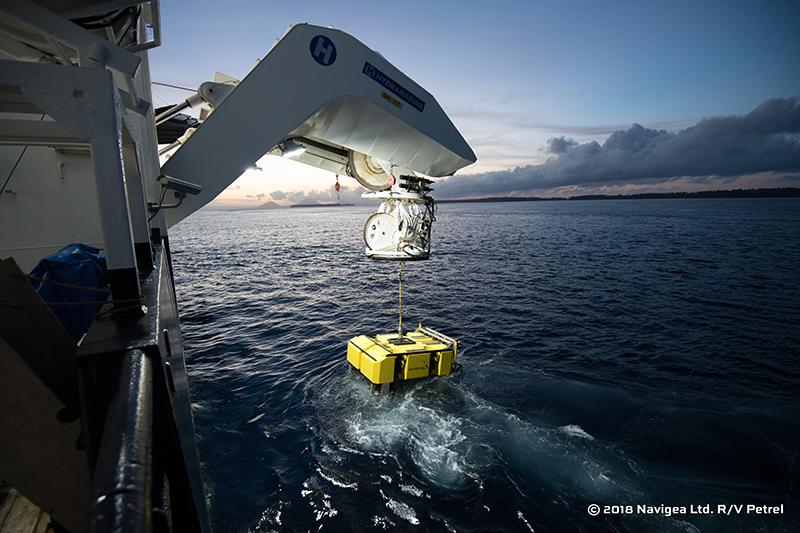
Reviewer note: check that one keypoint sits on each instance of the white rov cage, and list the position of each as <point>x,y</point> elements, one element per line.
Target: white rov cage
<point>401,228</point>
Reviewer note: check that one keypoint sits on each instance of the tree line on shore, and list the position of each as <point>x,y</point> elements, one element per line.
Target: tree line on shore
<point>784,192</point>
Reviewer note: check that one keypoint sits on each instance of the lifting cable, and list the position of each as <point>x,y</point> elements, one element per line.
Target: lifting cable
<point>400,300</point>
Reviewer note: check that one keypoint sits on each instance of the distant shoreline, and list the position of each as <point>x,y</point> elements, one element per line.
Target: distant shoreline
<point>322,205</point>
<point>785,192</point>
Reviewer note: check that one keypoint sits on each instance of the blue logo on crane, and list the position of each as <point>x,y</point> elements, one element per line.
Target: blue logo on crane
<point>323,51</point>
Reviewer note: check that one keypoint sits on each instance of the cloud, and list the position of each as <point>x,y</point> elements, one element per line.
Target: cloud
<point>346,194</point>
<point>791,179</point>
<point>296,196</point>
<point>765,140</point>
<point>278,195</point>
<point>560,145</point>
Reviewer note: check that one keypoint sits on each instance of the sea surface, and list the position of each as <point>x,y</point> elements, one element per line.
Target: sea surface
<point>628,365</point>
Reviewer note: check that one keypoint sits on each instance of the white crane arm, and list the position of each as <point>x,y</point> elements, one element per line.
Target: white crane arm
<point>322,89</point>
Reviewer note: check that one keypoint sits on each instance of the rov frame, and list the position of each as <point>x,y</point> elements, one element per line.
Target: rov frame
<point>391,358</point>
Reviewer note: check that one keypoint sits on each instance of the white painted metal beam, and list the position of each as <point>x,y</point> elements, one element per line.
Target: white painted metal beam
<point>323,84</point>
<point>86,103</point>
<point>36,133</point>
<point>93,51</point>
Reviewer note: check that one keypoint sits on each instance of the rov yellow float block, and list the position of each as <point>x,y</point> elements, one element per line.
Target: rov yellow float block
<point>372,359</point>
<point>386,358</point>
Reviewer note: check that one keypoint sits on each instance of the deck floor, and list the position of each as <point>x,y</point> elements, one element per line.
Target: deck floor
<point>19,515</point>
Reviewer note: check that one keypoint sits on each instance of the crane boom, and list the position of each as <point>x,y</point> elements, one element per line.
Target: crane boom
<point>325,92</point>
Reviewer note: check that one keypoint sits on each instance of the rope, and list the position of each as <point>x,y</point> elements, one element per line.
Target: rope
<point>17,163</point>
<point>58,283</point>
<point>13,169</point>
<point>20,305</point>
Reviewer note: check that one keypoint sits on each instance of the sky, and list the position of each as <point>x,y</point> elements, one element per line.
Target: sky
<point>555,98</point>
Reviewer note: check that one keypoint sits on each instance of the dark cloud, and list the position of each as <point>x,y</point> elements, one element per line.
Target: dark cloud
<point>790,179</point>
<point>278,195</point>
<point>765,140</point>
<point>560,145</point>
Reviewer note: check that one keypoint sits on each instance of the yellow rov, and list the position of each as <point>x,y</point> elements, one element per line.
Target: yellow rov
<point>389,358</point>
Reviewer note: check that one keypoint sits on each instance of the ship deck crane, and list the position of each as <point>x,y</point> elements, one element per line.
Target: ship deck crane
<point>322,98</point>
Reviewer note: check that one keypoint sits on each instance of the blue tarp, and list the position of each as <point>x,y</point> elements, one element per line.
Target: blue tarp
<point>79,265</point>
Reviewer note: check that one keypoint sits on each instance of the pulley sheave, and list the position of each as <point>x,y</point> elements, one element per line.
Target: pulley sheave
<point>368,171</point>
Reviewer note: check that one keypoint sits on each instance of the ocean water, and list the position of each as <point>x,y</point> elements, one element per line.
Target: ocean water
<point>628,366</point>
